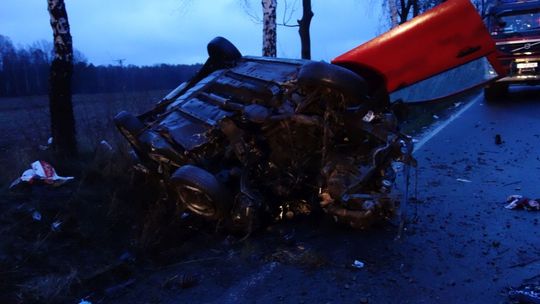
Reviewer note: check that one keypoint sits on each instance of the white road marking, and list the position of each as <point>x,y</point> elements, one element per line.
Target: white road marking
<point>439,127</point>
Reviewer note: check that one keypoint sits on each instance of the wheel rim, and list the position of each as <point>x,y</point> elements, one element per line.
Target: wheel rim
<point>197,200</point>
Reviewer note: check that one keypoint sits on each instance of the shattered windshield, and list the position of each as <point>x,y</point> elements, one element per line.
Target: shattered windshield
<point>518,23</point>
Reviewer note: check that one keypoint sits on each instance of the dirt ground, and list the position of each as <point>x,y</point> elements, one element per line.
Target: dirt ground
<point>118,242</point>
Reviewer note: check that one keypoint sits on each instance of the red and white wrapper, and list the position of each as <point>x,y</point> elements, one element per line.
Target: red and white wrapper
<point>41,172</point>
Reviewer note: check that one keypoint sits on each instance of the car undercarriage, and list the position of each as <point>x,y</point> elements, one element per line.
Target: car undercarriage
<point>258,138</point>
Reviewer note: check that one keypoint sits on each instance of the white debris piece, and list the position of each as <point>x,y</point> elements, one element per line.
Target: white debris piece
<point>47,146</point>
<point>358,264</point>
<point>41,172</point>
<point>56,226</point>
<point>369,116</point>
<point>106,145</point>
<point>36,216</point>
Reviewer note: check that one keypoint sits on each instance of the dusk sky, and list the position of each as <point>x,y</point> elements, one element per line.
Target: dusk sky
<point>176,31</point>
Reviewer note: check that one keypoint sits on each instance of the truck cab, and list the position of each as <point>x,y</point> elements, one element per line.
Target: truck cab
<point>515,27</point>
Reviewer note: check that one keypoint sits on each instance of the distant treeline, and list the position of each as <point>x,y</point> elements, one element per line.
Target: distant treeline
<point>25,71</point>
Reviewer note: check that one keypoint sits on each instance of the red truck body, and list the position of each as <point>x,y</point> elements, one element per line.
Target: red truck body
<point>449,35</point>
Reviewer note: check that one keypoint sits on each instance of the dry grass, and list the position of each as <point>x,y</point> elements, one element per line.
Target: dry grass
<point>25,126</point>
<point>101,212</point>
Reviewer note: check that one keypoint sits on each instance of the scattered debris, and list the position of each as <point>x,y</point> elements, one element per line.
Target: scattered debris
<point>369,116</point>
<point>104,150</point>
<point>103,154</point>
<point>436,116</point>
<point>457,104</point>
<point>85,302</point>
<point>47,146</point>
<point>55,226</point>
<point>300,256</point>
<point>498,139</point>
<point>105,145</point>
<point>36,216</point>
<point>41,172</point>
<point>517,201</point>
<point>528,294</point>
<point>358,264</point>
<point>463,180</point>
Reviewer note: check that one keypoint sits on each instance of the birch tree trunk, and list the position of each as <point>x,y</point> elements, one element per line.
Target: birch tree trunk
<point>269,28</point>
<point>60,104</point>
<point>393,13</point>
<point>415,8</point>
<point>303,30</point>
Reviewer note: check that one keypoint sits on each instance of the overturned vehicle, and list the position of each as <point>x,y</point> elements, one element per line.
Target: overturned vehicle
<point>254,138</point>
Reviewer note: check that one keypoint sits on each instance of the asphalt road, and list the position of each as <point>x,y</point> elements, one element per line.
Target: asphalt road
<point>461,245</point>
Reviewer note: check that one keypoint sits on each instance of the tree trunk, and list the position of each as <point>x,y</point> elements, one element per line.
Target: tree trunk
<point>393,13</point>
<point>481,6</point>
<point>60,104</point>
<point>303,30</point>
<point>405,6</point>
<point>269,28</point>
<point>416,8</point>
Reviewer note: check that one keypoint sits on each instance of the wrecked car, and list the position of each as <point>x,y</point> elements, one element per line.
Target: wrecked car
<point>255,138</point>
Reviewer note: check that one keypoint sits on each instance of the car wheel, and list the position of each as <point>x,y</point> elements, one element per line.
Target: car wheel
<point>222,50</point>
<point>201,192</point>
<point>495,91</point>
<point>314,74</point>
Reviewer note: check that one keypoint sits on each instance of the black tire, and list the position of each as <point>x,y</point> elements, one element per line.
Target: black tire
<point>314,74</point>
<point>222,50</point>
<point>496,91</point>
<point>201,192</point>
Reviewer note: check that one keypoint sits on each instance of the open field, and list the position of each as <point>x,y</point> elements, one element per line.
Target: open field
<point>25,125</point>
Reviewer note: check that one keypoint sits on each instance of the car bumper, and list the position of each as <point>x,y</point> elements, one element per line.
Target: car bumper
<point>521,79</point>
